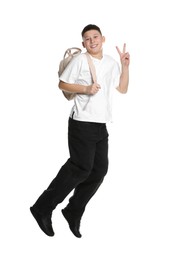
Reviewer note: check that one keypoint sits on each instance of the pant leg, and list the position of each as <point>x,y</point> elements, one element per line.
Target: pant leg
<point>82,146</point>
<point>85,190</point>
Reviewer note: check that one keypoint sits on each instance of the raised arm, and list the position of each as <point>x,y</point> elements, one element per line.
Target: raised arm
<point>124,77</point>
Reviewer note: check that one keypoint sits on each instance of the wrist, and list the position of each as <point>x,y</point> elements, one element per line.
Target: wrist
<point>86,90</point>
<point>124,67</point>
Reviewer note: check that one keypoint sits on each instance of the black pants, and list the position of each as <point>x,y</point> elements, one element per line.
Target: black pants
<point>84,171</point>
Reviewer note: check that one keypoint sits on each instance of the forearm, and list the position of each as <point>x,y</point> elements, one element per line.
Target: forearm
<point>73,88</point>
<point>79,89</point>
<point>124,80</point>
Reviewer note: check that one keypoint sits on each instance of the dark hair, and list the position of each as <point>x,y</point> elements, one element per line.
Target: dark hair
<point>90,27</point>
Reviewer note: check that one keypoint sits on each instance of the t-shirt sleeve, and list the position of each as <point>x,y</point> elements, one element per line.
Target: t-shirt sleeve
<point>71,72</point>
<point>117,75</point>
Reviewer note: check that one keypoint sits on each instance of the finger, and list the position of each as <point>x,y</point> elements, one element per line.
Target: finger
<point>124,48</point>
<point>125,55</point>
<point>118,50</point>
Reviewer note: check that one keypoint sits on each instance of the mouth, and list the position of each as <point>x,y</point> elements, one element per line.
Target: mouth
<point>93,46</point>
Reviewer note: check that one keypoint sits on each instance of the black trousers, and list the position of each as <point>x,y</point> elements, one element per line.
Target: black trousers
<point>83,172</point>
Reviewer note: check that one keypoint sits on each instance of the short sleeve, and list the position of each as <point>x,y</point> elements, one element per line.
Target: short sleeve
<point>71,72</point>
<point>117,73</point>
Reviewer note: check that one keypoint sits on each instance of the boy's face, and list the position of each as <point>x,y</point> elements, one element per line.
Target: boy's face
<point>93,41</point>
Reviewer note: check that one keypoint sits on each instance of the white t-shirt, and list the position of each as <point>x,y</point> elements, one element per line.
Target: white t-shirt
<point>93,108</point>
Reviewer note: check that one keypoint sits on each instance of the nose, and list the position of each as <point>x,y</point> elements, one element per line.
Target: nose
<point>91,40</point>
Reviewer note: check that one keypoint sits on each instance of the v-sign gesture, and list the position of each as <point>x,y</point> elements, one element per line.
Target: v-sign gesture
<point>124,56</point>
<point>124,77</point>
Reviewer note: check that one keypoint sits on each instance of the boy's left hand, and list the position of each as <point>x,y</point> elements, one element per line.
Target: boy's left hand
<point>124,56</point>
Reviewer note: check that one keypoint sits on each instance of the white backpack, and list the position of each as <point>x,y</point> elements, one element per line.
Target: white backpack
<point>69,54</point>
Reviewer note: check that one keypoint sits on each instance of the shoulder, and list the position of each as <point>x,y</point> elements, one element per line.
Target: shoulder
<point>110,60</point>
<point>78,60</point>
<point>75,66</point>
<point>111,64</point>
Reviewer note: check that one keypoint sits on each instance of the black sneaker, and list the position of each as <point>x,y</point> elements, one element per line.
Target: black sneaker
<point>74,224</point>
<point>44,222</point>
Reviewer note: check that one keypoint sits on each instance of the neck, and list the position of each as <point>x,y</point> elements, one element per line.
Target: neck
<point>98,55</point>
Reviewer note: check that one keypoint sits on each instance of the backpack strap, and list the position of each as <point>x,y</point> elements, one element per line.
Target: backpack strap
<point>92,68</point>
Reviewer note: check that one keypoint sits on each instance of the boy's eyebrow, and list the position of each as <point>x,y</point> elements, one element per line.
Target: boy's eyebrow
<point>96,34</point>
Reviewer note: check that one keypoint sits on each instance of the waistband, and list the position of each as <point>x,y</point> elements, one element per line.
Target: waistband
<point>85,122</point>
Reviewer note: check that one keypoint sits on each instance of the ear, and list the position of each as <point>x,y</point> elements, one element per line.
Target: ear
<point>103,39</point>
<point>83,45</point>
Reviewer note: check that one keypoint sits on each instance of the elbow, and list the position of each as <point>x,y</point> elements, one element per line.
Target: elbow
<point>60,85</point>
<point>122,90</point>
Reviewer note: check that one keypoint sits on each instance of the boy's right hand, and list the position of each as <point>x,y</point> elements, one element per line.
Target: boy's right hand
<point>92,89</point>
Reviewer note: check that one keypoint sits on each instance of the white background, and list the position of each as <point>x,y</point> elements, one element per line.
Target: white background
<point>130,216</point>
